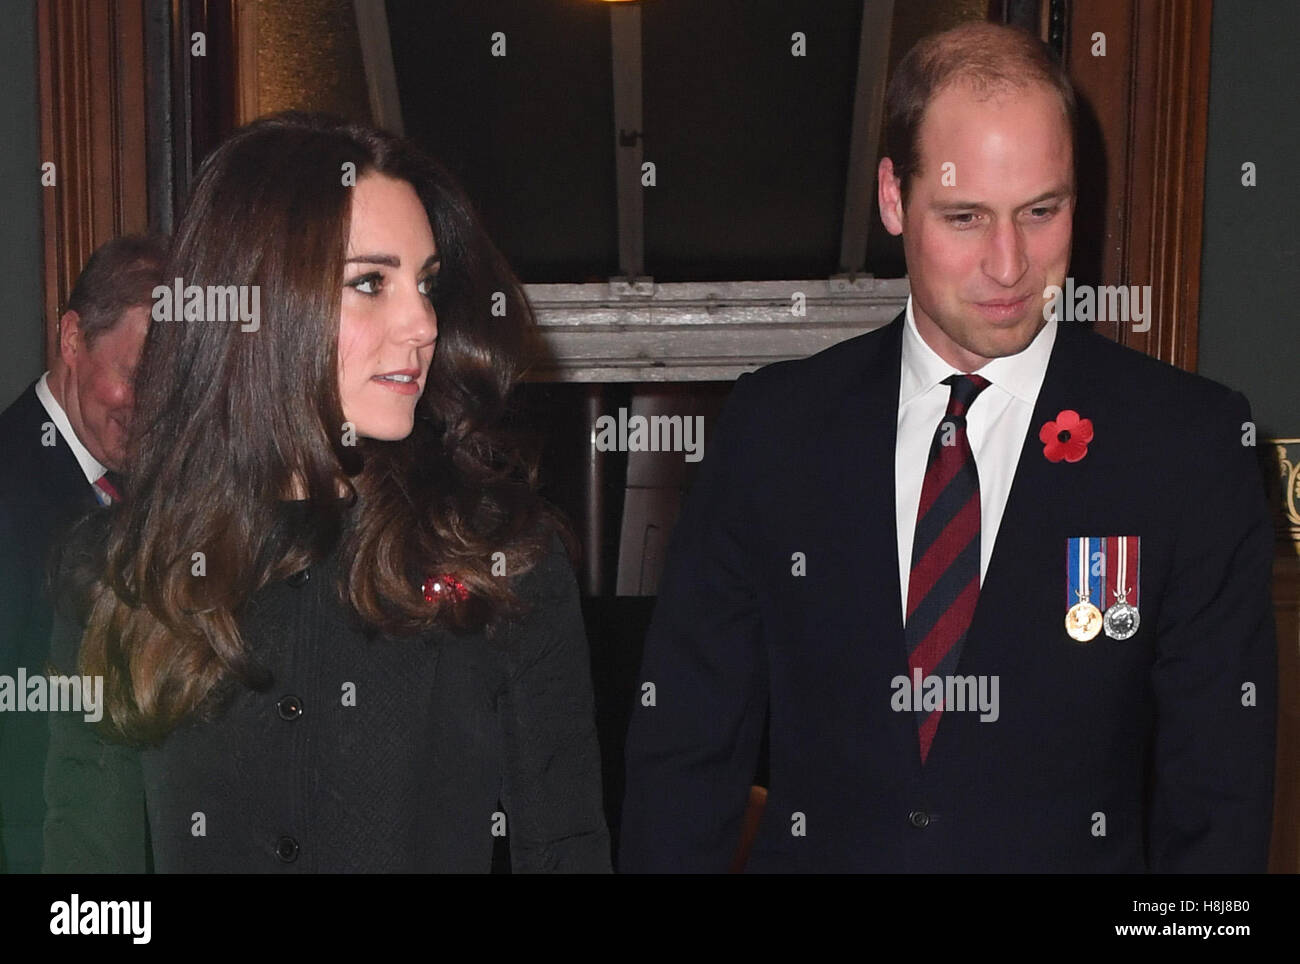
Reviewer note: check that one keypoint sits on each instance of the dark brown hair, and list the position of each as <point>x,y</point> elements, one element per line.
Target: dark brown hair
<point>229,422</point>
<point>988,57</point>
<point>120,275</point>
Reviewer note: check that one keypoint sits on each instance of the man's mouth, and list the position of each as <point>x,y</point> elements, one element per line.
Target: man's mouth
<point>1003,308</point>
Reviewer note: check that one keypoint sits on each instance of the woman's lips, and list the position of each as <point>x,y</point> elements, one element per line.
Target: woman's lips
<point>401,388</point>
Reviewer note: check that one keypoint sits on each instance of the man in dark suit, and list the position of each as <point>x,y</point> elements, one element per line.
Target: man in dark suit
<point>64,441</point>
<point>999,586</point>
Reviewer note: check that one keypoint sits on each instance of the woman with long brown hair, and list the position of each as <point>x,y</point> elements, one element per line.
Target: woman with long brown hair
<point>335,623</point>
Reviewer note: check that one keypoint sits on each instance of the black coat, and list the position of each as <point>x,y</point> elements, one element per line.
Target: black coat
<point>448,734</point>
<point>42,489</point>
<point>1151,753</point>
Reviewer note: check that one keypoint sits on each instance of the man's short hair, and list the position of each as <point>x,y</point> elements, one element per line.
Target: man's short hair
<point>119,276</point>
<point>990,58</point>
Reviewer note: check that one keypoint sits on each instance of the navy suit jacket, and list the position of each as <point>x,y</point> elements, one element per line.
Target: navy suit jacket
<point>42,490</point>
<point>1149,754</point>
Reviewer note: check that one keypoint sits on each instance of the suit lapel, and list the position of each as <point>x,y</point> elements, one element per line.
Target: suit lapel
<point>55,474</point>
<point>856,506</point>
<point>1041,496</point>
<point>873,414</point>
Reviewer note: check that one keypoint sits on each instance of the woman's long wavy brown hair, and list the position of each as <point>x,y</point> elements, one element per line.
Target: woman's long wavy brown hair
<point>229,422</point>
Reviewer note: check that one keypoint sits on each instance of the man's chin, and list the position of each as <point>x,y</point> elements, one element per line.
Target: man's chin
<point>1011,339</point>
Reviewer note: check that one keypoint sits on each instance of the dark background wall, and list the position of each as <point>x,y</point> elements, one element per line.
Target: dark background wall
<point>1250,268</point>
<point>21,329</point>
<point>1250,288</point>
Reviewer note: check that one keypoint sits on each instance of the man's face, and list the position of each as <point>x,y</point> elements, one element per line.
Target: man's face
<point>99,397</point>
<point>987,224</point>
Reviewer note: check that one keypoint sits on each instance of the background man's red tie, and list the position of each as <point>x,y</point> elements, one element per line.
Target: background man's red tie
<point>945,578</point>
<point>108,491</point>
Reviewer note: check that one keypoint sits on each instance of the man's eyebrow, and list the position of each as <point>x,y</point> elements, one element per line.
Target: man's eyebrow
<point>391,261</point>
<point>1059,192</point>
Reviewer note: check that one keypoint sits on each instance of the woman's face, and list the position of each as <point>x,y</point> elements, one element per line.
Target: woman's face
<point>387,325</point>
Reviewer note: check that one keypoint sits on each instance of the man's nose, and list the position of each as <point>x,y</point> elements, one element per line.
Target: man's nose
<point>1005,261</point>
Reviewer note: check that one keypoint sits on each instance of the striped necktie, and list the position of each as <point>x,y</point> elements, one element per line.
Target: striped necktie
<point>945,579</point>
<point>106,491</point>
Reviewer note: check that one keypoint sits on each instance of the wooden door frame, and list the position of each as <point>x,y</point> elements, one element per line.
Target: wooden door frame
<point>91,73</point>
<point>1144,110</point>
<point>126,113</point>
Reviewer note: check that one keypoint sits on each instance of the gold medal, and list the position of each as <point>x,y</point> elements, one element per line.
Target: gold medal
<point>1083,621</point>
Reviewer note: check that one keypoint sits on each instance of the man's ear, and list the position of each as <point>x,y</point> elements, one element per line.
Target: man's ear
<point>70,340</point>
<point>889,197</point>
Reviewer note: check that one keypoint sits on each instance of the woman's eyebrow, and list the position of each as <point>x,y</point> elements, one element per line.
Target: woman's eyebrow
<point>390,260</point>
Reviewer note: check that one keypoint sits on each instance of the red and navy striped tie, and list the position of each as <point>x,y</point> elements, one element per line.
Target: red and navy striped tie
<point>945,579</point>
<point>106,491</point>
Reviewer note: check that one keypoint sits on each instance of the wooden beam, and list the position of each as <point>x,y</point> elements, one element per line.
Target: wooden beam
<point>246,73</point>
<point>377,58</point>
<point>868,109</point>
<point>625,44</point>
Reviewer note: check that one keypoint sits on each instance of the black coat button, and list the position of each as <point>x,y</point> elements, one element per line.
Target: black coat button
<point>286,848</point>
<point>289,707</point>
<point>299,578</point>
<point>919,819</point>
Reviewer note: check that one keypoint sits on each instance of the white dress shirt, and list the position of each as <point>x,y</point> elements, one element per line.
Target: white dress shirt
<point>995,426</point>
<point>89,464</point>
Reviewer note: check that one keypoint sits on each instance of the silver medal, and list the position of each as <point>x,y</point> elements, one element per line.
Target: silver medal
<point>1121,620</point>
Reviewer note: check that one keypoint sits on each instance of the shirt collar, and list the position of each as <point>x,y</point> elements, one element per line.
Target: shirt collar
<point>1020,375</point>
<point>90,466</point>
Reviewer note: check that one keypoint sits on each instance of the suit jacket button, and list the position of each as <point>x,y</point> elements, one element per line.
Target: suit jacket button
<point>919,819</point>
<point>299,578</point>
<point>286,848</point>
<point>289,707</point>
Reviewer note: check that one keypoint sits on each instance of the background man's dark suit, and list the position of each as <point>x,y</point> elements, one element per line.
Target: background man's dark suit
<point>42,488</point>
<point>1151,731</point>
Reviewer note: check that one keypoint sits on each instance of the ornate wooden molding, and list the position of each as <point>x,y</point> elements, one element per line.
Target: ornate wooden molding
<point>700,331</point>
<point>92,113</point>
<point>1284,495</point>
<point>1287,490</point>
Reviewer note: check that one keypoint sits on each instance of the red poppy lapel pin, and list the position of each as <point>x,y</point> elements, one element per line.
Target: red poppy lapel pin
<point>1066,437</point>
<point>445,587</point>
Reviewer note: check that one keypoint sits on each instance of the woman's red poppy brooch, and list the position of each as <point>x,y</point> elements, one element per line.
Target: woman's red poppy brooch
<point>445,588</point>
<point>1066,437</point>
